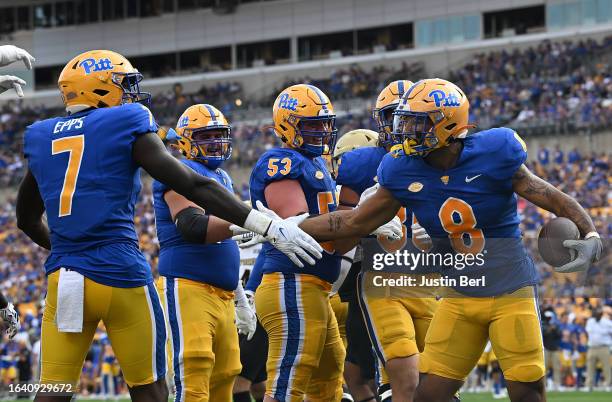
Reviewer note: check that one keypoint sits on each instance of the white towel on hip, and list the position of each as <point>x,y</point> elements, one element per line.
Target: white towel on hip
<point>70,299</point>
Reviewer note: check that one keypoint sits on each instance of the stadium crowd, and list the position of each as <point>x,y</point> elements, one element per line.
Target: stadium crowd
<point>554,86</point>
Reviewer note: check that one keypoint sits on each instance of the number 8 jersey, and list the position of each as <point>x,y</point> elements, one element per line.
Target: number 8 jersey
<point>89,185</point>
<point>469,209</point>
<point>320,192</point>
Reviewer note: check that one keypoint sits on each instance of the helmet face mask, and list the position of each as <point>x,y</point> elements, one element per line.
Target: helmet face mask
<point>431,114</point>
<point>304,119</point>
<point>318,135</point>
<point>211,145</point>
<point>384,121</point>
<point>204,135</point>
<point>387,101</point>
<point>130,84</point>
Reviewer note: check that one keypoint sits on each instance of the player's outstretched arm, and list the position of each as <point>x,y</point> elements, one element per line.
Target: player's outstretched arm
<point>30,210</point>
<point>375,211</point>
<point>546,196</point>
<point>149,152</point>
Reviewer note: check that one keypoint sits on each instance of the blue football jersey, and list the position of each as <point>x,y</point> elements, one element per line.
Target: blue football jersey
<point>256,274</point>
<point>357,170</point>
<point>320,191</point>
<point>89,184</point>
<point>216,264</point>
<point>470,209</point>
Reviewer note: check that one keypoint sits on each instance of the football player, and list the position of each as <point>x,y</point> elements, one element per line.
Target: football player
<point>463,189</point>
<point>306,354</point>
<point>199,266</point>
<point>83,170</point>
<point>397,321</point>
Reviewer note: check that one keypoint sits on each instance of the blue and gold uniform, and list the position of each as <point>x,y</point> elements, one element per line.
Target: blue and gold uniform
<point>89,184</point>
<point>470,209</point>
<point>197,280</point>
<point>396,321</point>
<point>306,353</point>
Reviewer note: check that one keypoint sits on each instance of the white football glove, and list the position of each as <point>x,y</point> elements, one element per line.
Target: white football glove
<point>10,54</point>
<point>246,320</point>
<point>10,316</point>
<point>11,82</point>
<point>421,235</point>
<point>286,236</point>
<point>367,193</point>
<point>391,230</point>
<point>588,251</point>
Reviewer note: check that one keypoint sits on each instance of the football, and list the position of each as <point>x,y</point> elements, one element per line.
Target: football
<point>551,238</point>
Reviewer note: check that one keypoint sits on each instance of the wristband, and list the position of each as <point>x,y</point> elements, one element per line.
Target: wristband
<point>257,222</point>
<point>591,234</point>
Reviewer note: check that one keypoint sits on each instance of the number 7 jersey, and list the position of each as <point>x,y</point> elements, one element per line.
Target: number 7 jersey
<point>89,185</point>
<point>469,209</point>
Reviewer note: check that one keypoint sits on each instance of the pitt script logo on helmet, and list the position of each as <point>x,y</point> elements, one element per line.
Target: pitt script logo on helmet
<point>387,101</point>
<point>100,78</point>
<point>304,119</point>
<point>431,114</point>
<point>203,134</point>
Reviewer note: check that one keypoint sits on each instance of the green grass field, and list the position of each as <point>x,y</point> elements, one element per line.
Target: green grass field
<point>552,397</point>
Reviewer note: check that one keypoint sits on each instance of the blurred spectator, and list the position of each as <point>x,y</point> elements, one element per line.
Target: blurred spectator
<point>599,328</point>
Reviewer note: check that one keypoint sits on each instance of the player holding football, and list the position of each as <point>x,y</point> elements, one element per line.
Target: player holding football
<point>199,265</point>
<point>463,189</point>
<point>396,321</point>
<point>84,172</point>
<point>306,354</point>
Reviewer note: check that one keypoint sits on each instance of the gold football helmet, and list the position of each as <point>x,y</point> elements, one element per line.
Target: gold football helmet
<point>387,101</point>
<point>100,78</point>
<point>304,119</point>
<point>203,134</point>
<point>430,114</point>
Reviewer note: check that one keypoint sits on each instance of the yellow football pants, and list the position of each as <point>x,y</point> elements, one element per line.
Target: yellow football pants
<point>203,339</point>
<point>134,321</point>
<point>306,354</point>
<point>461,327</point>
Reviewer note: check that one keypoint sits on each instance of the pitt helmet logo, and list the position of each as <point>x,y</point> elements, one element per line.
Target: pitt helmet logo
<point>415,187</point>
<point>91,65</point>
<point>285,102</point>
<point>183,122</point>
<point>442,99</point>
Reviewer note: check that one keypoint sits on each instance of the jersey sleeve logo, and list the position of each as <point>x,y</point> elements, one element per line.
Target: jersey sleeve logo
<point>92,65</point>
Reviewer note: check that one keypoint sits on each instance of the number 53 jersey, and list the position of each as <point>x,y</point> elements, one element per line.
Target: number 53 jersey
<point>320,192</point>
<point>469,209</point>
<point>89,185</point>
